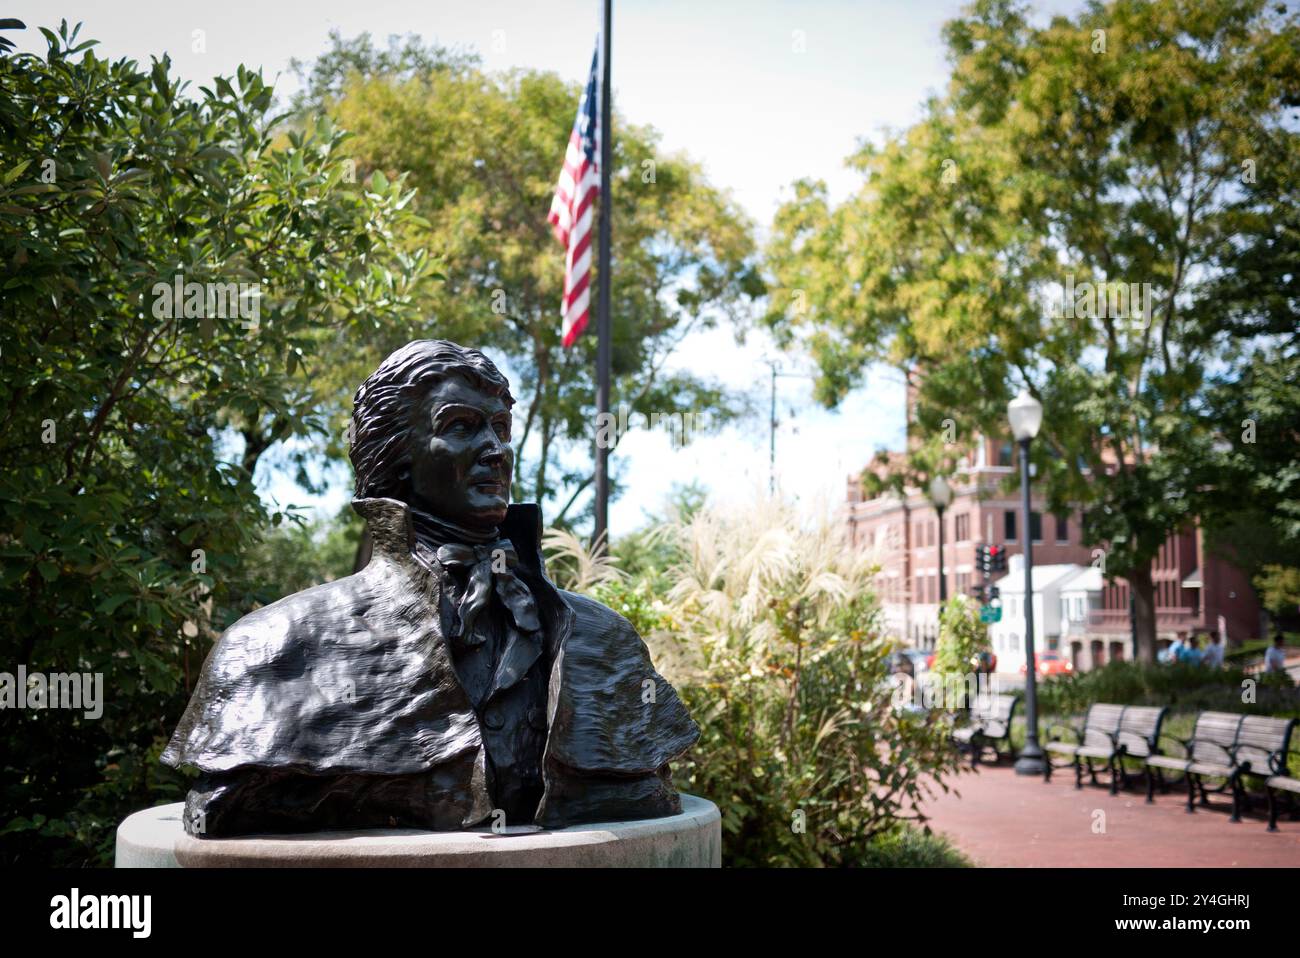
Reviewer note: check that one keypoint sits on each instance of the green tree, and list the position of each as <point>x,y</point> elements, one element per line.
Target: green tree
<point>126,513</point>
<point>1106,149</point>
<point>484,151</point>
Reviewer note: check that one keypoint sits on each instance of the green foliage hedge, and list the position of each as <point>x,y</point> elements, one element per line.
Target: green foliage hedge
<point>1181,686</point>
<point>124,524</point>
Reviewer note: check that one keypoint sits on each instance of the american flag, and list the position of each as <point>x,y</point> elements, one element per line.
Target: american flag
<point>571,212</point>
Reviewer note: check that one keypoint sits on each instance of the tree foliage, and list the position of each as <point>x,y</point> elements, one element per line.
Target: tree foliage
<point>1139,142</point>
<point>126,514</point>
<point>484,151</point>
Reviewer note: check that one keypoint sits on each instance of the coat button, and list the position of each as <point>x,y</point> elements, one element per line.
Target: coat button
<point>493,718</point>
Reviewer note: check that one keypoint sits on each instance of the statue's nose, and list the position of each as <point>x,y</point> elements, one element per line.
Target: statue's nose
<point>493,449</point>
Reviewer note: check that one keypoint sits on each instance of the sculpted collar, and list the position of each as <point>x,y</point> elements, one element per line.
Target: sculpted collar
<point>488,561</point>
<point>392,530</point>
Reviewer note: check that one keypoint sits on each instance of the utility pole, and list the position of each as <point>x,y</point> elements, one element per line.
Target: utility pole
<point>771,422</point>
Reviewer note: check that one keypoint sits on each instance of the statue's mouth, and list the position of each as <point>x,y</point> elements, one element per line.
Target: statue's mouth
<point>491,487</point>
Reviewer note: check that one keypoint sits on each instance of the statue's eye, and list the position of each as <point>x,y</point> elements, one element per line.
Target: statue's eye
<point>502,430</point>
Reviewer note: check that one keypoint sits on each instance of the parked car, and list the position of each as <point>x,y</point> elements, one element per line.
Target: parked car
<point>1050,663</point>
<point>988,662</point>
<point>909,661</point>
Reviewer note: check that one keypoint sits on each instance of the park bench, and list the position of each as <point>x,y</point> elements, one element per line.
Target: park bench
<point>1280,783</point>
<point>1211,752</point>
<point>1261,752</point>
<point>1109,734</point>
<point>990,726</point>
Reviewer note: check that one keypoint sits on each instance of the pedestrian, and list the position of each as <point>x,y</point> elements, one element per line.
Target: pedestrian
<point>1275,658</point>
<point>1190,653</point>
<point>1173,651</point>
<point>1213,657</point>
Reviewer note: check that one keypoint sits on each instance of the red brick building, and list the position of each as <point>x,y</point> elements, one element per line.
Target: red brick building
<point>1195,590</point>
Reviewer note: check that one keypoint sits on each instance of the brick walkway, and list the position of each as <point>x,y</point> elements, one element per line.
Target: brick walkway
<point>1002,819</point>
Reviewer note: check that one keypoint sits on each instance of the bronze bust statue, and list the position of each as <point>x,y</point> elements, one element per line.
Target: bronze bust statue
<point>447,684</point>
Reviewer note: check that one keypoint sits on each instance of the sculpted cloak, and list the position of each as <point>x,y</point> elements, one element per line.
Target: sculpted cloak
<point>340,706</point>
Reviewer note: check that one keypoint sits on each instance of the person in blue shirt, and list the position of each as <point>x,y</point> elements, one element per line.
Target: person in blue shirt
<point>1190,653</point>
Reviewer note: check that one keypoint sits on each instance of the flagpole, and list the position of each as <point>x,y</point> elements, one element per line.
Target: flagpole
<point>600,537</point>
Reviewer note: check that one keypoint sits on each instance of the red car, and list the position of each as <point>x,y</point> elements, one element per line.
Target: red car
<point>1050,663</point>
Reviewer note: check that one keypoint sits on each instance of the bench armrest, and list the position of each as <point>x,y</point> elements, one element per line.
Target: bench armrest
<point>1275,761</point>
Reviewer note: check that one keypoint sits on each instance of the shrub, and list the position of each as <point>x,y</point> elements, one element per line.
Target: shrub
<point>771,633</point>
<point>1180,685</point>
<point>910,847</point>
<point>963,638</point>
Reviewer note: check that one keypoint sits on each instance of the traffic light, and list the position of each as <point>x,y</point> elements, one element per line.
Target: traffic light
<point>982,560</point>
<point>997,558</point>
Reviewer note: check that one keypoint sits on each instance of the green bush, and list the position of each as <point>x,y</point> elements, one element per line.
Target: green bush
<point>1181,686</point>
<point>910,847</point>
<point>771,633</point>
<point>963,640</point>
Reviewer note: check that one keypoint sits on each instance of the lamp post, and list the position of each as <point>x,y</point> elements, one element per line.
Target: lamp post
<point>1026,415</point>
<point>941,495</point>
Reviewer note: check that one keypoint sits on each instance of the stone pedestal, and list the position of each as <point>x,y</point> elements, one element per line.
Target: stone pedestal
<point>155,838</point>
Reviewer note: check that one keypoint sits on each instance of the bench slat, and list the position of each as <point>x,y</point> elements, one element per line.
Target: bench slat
<point>1214,735</point>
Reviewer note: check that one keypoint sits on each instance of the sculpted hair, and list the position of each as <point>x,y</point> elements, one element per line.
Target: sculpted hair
<point>383,409</point>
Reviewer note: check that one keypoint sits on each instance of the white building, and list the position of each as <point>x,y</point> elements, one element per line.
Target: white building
<point>1062,596</point>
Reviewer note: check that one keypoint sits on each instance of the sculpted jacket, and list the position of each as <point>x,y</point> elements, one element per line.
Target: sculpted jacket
<point>340,706</point>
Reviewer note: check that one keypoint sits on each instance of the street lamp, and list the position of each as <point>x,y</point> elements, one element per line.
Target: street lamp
<point>941,495</point>
<point>1026,415</point>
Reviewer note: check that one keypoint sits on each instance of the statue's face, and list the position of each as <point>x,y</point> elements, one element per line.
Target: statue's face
<point>461,460</point>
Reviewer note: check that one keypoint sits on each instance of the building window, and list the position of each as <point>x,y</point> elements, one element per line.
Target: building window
<point>1062,529</point>
<point>1004,454</point>
<point>961,527</point>
<point>1009,526</point>
<point>1036,526</point>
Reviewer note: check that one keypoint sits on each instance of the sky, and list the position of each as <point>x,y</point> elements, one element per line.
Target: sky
<point>760,93</point>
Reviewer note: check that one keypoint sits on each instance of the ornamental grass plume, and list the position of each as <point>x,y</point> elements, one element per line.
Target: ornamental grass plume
<point>770,628</point>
